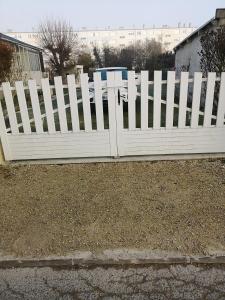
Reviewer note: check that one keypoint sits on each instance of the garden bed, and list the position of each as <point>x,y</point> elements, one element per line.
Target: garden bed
<point>169,206</point>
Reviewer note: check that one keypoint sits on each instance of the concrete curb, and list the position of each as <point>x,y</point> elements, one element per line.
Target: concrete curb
<point>63,262</point>
<point>120,159</point>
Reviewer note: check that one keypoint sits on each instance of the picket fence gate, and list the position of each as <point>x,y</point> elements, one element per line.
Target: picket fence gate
<point>173,116</point>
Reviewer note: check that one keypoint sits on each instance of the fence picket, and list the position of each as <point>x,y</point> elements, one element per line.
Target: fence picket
<point>144,100</point>
<point>112,113</point>
<point>86,102</point>
<point>98,101</point>
<point>10,107</point>
<point>23,107</point>
<point>157,99</point>
<point>48,105</point>
<point>196,99</point>
<point>3,136</point>
<point>221,103</point>
<point>131,100</point>
<point>170,99</point>
<point>183,99</point>
<point>35,105</point>
<point>61,104</point>
<point>73,102</point>
<point>210,90</point>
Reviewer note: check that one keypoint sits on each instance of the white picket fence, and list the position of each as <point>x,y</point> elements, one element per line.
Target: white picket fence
<point>173,116</point>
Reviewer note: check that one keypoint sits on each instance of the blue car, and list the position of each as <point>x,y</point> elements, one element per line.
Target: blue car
<point>104,71</point>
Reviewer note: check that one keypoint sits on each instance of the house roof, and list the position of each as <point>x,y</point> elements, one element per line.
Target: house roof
<point>194,34</point>
<point>220,13</point>
<point>12,40</point>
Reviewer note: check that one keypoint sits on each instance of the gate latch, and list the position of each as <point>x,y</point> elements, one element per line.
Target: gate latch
<point>119,96</point>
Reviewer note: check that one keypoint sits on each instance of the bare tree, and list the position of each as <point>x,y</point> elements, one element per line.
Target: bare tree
<point>111,57</point>
<point>136,56</point>
<point>127,57</point>
<point>59,42</point>
<point>98,58</point>
<point>106,57</point>
<point>213,51</point>
<point>145,52</point>
<point>212,58</point>
<point>85,59</point>
<point>162,61</point>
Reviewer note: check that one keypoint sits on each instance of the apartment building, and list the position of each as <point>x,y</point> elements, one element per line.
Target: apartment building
<point>121,37</point>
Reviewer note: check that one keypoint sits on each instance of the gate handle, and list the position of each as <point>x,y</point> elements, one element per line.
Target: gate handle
<point>119,96</point>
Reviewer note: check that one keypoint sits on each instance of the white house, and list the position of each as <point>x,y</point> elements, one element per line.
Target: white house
<point>187,57</point>
<point>28,59</point>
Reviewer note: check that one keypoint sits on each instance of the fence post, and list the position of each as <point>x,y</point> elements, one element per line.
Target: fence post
<point>2,159</point>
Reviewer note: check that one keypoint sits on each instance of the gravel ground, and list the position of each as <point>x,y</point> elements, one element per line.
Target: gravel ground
<point>171,206</point>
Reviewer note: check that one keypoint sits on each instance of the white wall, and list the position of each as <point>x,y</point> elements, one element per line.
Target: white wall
<point>36,75</point>
<point>188,55</point>
<point>29,63</point>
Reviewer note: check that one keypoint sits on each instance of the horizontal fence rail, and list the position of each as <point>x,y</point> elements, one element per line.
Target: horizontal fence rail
<point>99,86</point>
<point>112,105</point>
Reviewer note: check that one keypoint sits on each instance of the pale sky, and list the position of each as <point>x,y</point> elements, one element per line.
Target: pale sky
<point>23,15</point>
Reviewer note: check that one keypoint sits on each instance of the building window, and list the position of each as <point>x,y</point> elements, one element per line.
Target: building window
<point>34,61</point>
<point>166,44</point>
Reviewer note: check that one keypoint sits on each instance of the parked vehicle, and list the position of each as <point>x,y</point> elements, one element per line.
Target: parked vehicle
<point>104,71</point>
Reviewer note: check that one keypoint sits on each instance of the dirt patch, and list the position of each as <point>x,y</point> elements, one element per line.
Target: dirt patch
<point>170,206</point>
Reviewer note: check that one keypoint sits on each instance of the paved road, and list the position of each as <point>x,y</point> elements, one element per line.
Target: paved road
<point>165,282</point>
